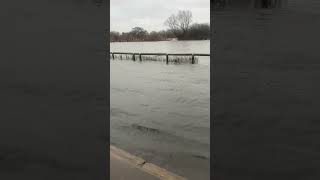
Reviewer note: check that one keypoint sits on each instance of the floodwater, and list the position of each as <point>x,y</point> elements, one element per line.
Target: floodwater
<point>161,112</point>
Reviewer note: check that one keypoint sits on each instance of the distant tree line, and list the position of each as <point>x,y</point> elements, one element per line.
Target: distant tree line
<point>180,27</point>
<point>140,34</point>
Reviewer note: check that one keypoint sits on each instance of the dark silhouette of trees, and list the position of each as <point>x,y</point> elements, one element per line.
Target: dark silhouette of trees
<point>138,33</point>
<point>115,36</point>
<point>199,32</point>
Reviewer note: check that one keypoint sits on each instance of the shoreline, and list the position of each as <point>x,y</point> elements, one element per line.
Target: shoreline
<point>143,165</point>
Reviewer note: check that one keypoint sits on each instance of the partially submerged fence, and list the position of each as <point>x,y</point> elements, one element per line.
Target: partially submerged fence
<point>173,57</point>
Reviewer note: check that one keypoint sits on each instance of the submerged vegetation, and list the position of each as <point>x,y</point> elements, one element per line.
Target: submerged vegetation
<point>177,59</point>
<point>180,28</point>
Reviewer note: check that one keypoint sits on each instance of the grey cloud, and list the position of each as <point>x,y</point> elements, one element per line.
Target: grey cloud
<point>151,14</point>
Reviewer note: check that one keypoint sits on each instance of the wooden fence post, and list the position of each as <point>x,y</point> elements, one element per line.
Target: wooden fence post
<point>192,59</point>
<point>167,58</point>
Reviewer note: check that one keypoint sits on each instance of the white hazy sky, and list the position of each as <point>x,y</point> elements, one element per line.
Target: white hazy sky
<point>151,14</point>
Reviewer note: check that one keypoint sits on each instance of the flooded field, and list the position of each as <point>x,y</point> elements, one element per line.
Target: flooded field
<point>161,112</point>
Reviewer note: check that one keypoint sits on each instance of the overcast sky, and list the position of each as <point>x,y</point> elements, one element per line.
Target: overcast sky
<point>151,14</point>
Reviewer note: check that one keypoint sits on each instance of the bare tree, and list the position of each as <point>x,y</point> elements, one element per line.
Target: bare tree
<point>179,24</point>
<point>172,23</point>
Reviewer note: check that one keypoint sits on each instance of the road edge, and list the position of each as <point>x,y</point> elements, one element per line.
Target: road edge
<point>140,163</point>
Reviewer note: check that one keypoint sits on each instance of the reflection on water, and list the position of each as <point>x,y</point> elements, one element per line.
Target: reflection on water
<point>266,90</point>
<point>161,112</point>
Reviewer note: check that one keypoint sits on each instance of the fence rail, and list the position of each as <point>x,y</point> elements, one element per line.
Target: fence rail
<point>133,55</point>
